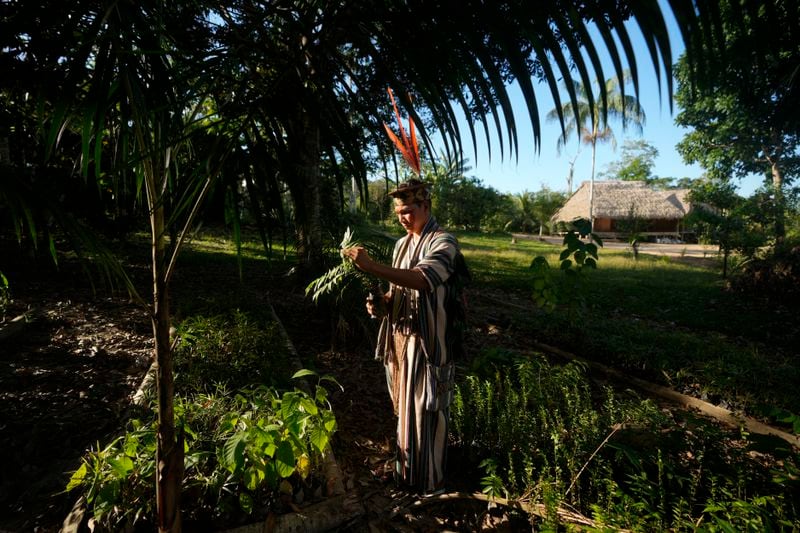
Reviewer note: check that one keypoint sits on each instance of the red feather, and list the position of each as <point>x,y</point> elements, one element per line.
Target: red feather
<point>407,145</point>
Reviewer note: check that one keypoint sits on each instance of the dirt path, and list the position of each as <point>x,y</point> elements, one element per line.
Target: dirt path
<point>679,250</point>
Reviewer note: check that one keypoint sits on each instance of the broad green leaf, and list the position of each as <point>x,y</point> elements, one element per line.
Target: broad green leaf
<point>233,452</point>
<point>271,474</point>
<point>253,476</point>
<point>131,446</point>
<point>539,262</point>
<point>319,439</point>
<point>269,450</point>
<point>328,421</point>
<point>295,423</point>
<point>564,254</point>
<point>309,406</point>
<point>304,372</point>
<point>77,477</point>
<point>332,380</point>
<point>284,459</point>
<point>289,405</point>
<point>121,466</point>
<point>566,264</point>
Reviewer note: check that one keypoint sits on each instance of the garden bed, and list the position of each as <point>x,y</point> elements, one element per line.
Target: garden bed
<point>105,341</point>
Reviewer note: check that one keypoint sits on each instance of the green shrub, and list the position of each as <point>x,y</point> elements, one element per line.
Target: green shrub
<point>244,442</point>
<point>234,349</point>
<point>241,451</point>
<point>5,295</point>
<point>544,433</point>
<point>538,421</point>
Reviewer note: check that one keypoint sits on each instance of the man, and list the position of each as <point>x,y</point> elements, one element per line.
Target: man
<point>417,336</point>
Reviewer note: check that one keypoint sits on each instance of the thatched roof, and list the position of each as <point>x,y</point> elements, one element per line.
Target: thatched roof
<point>623,199</point>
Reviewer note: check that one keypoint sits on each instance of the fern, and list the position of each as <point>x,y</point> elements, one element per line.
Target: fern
<point>341,275</point>
<point>334,277</point>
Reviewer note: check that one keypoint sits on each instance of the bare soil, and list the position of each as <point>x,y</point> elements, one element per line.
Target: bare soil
<point>65,384</point>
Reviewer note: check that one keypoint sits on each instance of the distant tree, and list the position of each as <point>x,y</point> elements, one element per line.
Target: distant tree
<point>379,204</point>
<point>744,114</point>
<point>683,183</point>
<point>497,220</point>
<point>545,203</point>
<point>521,217</point>
<point>636,163</point>
<point>532,210</point>
<point>723,217</point>
<point>460,201</point>
<point>588,119</point>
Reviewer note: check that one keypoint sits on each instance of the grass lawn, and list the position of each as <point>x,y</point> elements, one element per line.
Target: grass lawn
<point>658,317</point>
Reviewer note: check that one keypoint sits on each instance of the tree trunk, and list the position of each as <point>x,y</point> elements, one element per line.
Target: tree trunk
<point>591,191</point>
<point>169,451</point>
<point>305,187</point>
<point>725,254</point>
<point>779,201</point>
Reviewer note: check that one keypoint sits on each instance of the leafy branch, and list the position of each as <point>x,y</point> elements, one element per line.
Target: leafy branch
<point>334,277</point>
<point>338,277</point>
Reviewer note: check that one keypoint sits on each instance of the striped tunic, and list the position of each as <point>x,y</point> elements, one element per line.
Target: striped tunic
<point>419,371</point>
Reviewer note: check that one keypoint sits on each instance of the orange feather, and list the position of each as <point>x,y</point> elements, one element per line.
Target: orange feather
<point>406,144</point>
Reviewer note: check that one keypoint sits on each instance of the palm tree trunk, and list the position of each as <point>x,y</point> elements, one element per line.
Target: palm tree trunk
<point>591,191</point>
<point>169,452</point>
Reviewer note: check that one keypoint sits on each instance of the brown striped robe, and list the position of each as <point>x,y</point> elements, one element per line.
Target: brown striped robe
<point>415,344</point>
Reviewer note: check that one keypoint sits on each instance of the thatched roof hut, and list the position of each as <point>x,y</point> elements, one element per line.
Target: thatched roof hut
<point>615,201</point>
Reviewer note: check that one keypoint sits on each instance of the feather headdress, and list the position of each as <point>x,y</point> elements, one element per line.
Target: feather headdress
<point>406,144</point>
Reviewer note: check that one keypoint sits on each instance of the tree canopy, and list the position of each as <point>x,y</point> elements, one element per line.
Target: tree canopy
<point>743,115</point>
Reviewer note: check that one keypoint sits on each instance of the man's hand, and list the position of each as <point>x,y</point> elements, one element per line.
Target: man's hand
<point>359,256</point>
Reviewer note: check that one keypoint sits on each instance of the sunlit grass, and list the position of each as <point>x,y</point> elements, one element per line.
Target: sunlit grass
<point>658,317</point>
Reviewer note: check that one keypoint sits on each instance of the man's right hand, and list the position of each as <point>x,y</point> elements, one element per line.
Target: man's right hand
<point>376,306</point>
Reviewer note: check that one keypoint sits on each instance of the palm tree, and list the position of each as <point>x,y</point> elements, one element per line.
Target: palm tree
<point>588,119</point>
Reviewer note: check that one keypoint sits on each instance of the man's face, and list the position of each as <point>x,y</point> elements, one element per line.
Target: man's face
<point>412,216</point>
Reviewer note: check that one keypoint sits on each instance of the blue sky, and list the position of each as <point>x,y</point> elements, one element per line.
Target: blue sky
<point>548,168</point>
